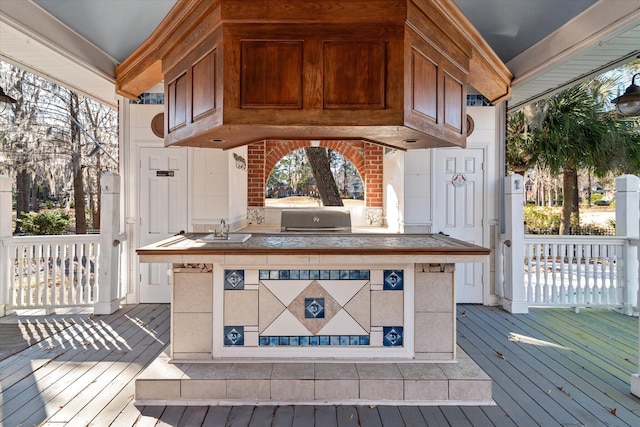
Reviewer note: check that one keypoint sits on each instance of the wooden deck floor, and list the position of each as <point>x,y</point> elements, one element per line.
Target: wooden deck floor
<point>552,367</point>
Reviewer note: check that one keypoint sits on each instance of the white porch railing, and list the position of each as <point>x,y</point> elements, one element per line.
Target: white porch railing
<point>576,271</point>
<point>53,271</point>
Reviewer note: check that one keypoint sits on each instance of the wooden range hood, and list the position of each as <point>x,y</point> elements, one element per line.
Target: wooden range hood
<point>394,72</point>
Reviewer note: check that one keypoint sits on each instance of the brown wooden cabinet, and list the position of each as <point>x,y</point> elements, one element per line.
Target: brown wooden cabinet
<point>393,72</point>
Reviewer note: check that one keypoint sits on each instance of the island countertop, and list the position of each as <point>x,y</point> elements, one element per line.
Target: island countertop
<point>313,244</point>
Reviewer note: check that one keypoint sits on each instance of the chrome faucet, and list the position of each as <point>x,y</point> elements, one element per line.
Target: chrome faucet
<point>224,229</point>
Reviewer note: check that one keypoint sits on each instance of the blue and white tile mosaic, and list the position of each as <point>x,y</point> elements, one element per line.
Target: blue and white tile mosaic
<point>233,280</point>
<point>314,308</point>
<point>149,99</point>
<point>314,340</point>
<point>393,280</point>
<point>234,335</point>
<point>477,100</point>
<point>392,336</point>
<point>314,274</point>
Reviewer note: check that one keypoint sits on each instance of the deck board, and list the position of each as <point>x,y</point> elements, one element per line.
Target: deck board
<point>578,379</point>
<point>584,373</point>
<point>75,370</point>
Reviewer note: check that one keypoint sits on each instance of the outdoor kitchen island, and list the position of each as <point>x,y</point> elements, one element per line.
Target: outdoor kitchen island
<point>313,318</point>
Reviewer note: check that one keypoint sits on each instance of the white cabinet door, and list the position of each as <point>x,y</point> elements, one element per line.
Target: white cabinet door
<point>163,213</point>
<point>459,207</point>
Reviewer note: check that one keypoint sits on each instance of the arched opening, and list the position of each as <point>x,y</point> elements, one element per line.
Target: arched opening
<point>291,183</point>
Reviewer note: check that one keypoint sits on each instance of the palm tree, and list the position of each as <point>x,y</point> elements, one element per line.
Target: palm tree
<point>576,129</point>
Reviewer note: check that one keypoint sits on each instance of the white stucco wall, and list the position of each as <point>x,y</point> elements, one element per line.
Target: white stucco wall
<point>417,191</point>
<point>393,179</point>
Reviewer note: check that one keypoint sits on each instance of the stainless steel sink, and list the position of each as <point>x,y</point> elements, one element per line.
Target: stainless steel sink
<point>230,238</point>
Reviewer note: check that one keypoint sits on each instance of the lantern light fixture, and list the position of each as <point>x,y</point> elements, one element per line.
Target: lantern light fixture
<point>628,104</point>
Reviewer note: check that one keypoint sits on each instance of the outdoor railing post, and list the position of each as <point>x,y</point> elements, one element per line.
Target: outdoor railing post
<point>514,299</point>
<point>5,231</point>
<point>627,201</point>
<point>628,225</point>
<point>109,262</point>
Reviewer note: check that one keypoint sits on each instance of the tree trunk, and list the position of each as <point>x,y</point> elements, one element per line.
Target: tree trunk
<point>76,162</point>
<point>22,195</point>
<point>321,169</point>
<point>575,212</point>
<point>569,198</point>
<point>589,190</point>
<point>78,196</point>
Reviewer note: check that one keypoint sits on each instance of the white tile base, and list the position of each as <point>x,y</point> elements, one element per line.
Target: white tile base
<point>284,382</point>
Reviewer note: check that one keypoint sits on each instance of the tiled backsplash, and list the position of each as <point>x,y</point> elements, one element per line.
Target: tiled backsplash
<point>298,308</point>
<point>149,99</point>
<point>477,100</point>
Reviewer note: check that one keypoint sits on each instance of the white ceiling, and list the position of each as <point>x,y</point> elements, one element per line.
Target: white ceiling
<point>547,44</point>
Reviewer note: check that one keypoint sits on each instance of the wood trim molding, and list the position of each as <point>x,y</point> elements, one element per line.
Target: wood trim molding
<point>143,68</point>
<point>487,73</point>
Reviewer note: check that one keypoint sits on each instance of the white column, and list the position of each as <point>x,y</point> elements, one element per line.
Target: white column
<point>5,231</point>
<point>628,225</point>
<point>514,299</point>
<point>109,278</point>
<point>627,201</point>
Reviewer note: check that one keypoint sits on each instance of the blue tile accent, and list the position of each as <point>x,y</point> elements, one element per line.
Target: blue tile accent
<point>234,279</point>
<point>393,280</point>
<point>392,336</point>
<point>477,100</point>
<point>149,99</point>
<point>233,335</point>
<point>314,274</point>
<point>314,308</point>
<point>314,340</point>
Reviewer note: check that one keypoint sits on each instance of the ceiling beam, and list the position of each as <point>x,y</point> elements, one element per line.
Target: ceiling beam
<point>595,25</point>
<point>34,40</point>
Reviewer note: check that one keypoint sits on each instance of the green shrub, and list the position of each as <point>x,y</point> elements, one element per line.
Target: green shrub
<point>542,217</point>
<point>52,222</point>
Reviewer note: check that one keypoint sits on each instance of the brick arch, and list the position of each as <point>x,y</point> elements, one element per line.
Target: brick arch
<point>365,156</point>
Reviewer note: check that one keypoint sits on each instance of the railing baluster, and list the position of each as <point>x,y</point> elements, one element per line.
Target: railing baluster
<point>552,289</point>
<point>82,274</point>
<point>20,288</point>
<point>529,255</point>
<point>38,274</point>
<point>47,261</point>
<point>56,275</point>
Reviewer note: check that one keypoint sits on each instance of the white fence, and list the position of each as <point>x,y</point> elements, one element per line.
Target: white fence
<point>52,271</point>
<point>574,271</point>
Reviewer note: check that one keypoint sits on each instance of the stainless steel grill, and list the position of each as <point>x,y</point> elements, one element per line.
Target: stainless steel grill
<point>315,220</point>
